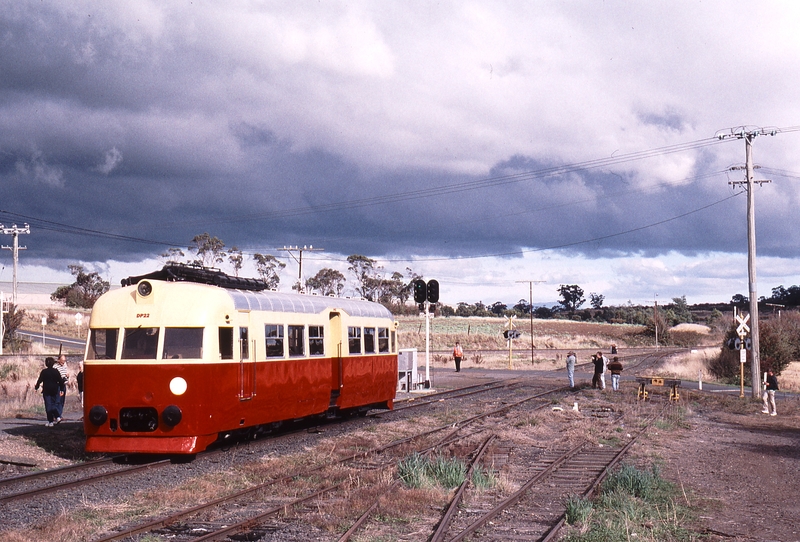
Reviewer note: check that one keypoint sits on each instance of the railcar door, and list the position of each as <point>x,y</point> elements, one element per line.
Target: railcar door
<point>247,364</point>
<point>336,356</point>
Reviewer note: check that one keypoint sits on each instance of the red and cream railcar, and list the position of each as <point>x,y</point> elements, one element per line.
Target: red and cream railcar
<point>170,366</point>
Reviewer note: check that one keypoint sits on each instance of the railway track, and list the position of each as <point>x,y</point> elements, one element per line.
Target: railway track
<point>250,512</point>
<point>275,507</point>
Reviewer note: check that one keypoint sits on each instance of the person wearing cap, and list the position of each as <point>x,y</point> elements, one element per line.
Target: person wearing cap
<point>571,359</point>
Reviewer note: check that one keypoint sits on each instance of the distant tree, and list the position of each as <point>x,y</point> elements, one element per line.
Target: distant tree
<point>543,312</point>
<point>680,312</point>
<point>327,282</point>
<point>523,306</point>
<point>596,300</point>
<point>365,272</point>
<point>571,297</point>
<point>236,259</point>
<point>447,310</point>
<point>84,291</point>
<point>267,267</point>
<point>172,255</point>
<point>498,308</point>
<point>789,297</point>
<point>394,288</point>
<point>209,251</point>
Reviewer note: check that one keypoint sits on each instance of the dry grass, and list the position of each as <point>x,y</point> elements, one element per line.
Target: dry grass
<point>61,321</point>
<point>18,375</point>
<point>693,364</point>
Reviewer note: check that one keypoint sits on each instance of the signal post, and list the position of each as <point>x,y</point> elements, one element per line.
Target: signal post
<point>424,295</point>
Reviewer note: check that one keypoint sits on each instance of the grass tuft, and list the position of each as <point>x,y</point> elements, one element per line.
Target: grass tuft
<point>417,471</point>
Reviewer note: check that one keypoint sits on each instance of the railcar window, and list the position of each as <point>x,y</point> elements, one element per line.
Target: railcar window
<point>103,344</point>
<point>226,343</point>
<point>394,339</point>
<point>274,339</point>
<point>316,340</point>
<point>369,340</point>
<point>183,342</point>
<point>296,341</point>
<point>244,346</point>
<point>140,343</point>
<point>354,339</point>
<point>383,339</point>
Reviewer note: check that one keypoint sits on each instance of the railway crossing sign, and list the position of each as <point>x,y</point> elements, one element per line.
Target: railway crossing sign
<point>742,328</point>
<point>512,334</point>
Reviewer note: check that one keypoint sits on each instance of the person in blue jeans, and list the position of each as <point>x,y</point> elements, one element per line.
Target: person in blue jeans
<point>50,380</point>
<point>616,369</point>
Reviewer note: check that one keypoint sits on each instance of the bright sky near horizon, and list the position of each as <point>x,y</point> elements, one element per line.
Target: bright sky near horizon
<point>478,143</point>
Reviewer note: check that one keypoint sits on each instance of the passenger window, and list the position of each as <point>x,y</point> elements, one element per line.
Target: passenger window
<point>383,339</point>
<point>140,343</point>
<point>103,344</point>
<point>296,341</point>
<point>183,342</point>
<point>226,343</point>
<point>394,344</point>
<point>369,340</point>
<point>354,339</point>
<point>274,338</point>
<point>316,340</point>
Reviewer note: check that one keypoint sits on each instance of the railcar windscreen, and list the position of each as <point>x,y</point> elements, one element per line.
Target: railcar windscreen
<point>140,343</point>
<point>103,344</point>
<point>183,343</point>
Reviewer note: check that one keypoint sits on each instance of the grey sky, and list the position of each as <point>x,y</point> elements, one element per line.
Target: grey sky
<point>412,132</point>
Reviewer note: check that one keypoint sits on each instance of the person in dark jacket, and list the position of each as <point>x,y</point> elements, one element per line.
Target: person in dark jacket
<point>598,379</point>
<point>770,387</point>
<point>50,380</point>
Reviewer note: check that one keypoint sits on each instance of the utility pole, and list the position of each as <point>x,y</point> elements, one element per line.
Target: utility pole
<point>749,136</point>
<point>655,317</point>
<point>531,283</point>
<point>15,231</point>
<point>305,248</point>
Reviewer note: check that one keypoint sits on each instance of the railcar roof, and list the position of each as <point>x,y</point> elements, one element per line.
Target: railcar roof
<point>308,304</point>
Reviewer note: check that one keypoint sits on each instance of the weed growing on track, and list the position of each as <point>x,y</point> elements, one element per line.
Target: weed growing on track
<point>417,471</point>
<point>632,504</point>
<point>483,478</point>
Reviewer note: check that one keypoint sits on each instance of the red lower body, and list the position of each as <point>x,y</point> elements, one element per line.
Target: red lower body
<point>222,397</point>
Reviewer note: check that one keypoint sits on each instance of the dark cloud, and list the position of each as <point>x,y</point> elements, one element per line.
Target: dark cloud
<point>121,136</point>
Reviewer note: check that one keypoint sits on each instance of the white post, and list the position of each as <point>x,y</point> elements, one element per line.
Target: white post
<point>427,347</point>
<point>44,323</point>
<point>700,379</point>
